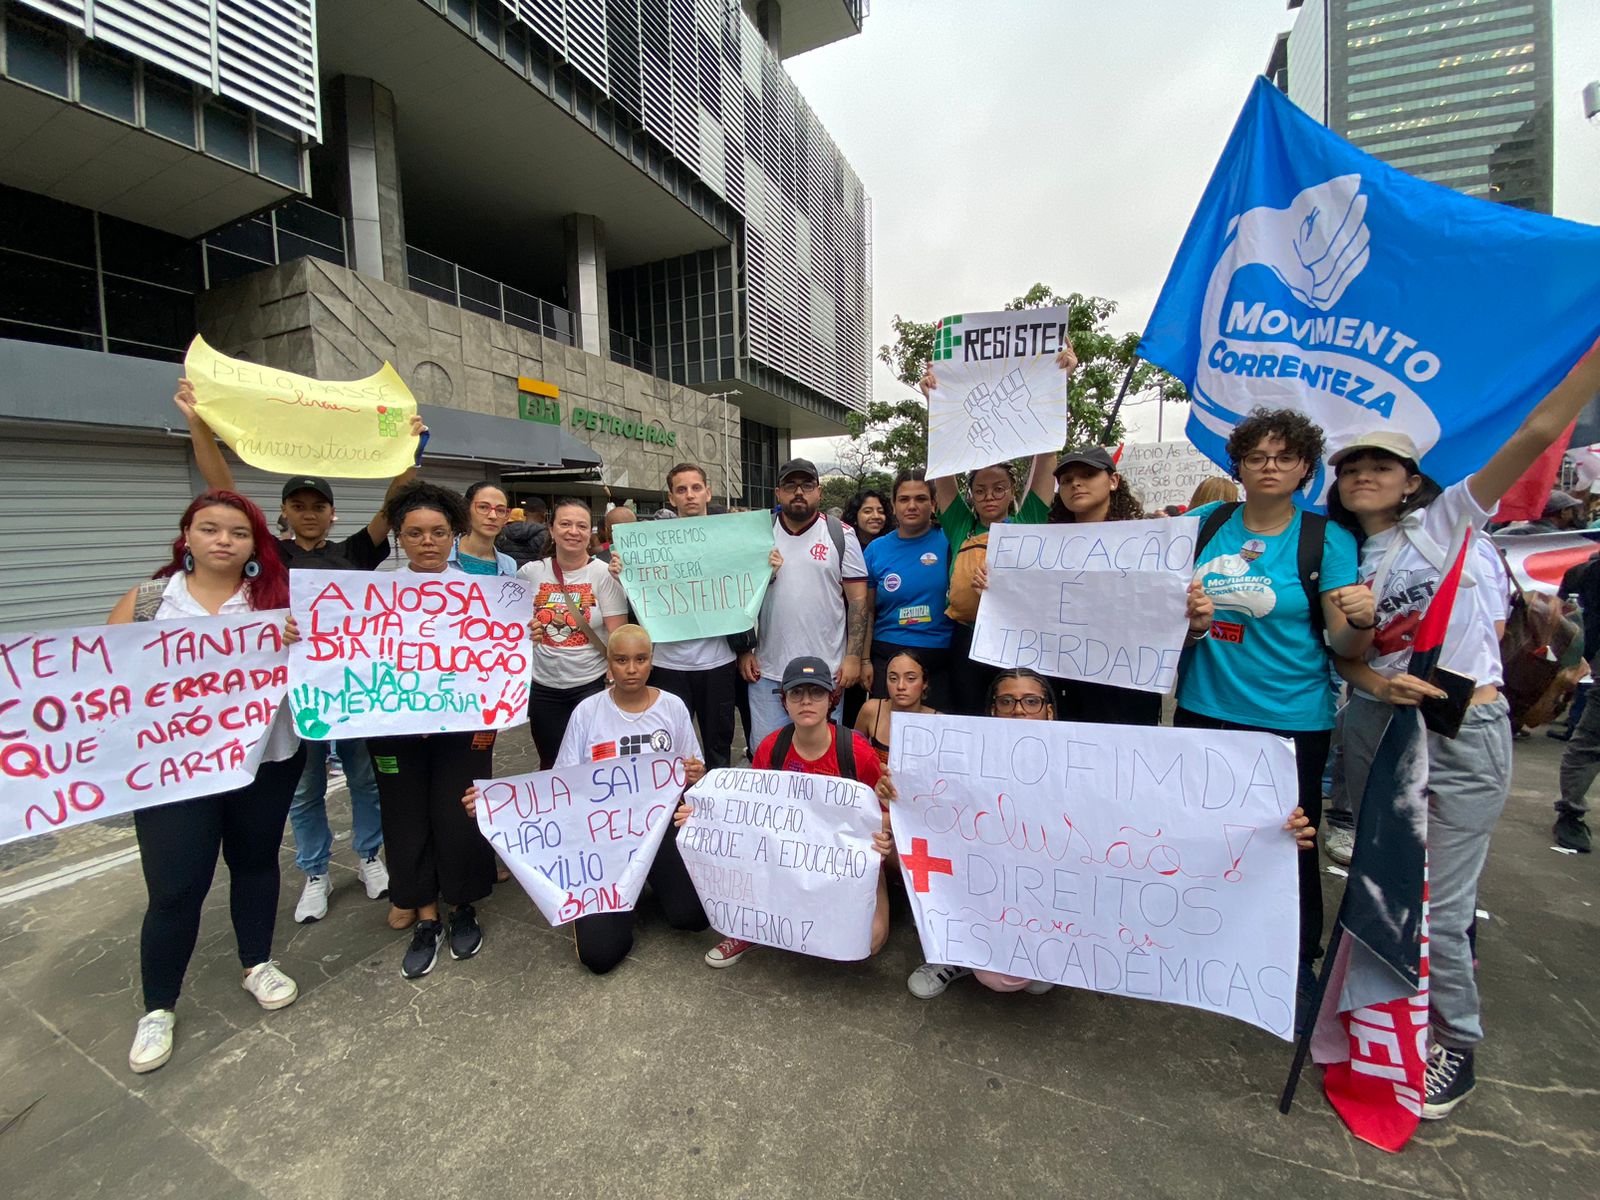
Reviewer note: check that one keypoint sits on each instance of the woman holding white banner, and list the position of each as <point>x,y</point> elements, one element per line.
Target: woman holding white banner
<point>573,593</point>
<point>991,496</point>
<point>1284,585</point>
<point>1407,527</point>
<point>222,562</point>
<point>1088,490</point>
<point>435,850</point>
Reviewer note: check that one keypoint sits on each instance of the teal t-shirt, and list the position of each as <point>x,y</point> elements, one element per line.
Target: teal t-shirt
<point>1263,663</point>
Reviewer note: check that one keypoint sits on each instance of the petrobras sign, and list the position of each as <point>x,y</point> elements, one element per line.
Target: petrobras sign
<point>1315,277</point>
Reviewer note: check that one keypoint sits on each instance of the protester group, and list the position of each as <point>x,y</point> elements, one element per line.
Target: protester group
<point>1298,625</point>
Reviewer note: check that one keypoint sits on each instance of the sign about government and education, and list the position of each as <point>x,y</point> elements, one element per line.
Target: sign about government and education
<point>1163,473</point>
<point>1102,603</point>
<point>581,839</point>
<point>1144,862</point>
<point>1317,278</point>
<point>295,425</point>
<point>999,393</point>
<point>785,859</point>
<point>105,719</point>
<point>391,652</point>
<point>698,577</point>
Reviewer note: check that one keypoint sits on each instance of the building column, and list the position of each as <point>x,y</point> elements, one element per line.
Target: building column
<point>769,23</point>
<point>586,283</point>
<point>360,117</point>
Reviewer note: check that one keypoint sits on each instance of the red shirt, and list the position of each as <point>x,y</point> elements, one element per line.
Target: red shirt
<point>868,771</point>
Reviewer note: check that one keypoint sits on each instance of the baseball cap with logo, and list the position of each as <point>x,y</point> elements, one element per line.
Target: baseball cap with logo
<point>1090,456</point>
<point>807,672</point>
<point>308,483</point>
<point>798,466</point>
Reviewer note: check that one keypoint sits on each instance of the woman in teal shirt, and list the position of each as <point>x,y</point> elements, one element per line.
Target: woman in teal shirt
<point>1263,666</point>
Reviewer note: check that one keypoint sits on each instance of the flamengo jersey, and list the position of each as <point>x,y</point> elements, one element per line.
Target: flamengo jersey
<point>804,610</point>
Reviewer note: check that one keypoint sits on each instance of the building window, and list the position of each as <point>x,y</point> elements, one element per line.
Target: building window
<point>169,109</point>
<point>228,135</point>
<point>106,85</point>
<point>37,56</point>
<point>758,449</point>
<point>279,158</point>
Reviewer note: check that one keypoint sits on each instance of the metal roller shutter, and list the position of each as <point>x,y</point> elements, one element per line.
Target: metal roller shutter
<point>82,520</point>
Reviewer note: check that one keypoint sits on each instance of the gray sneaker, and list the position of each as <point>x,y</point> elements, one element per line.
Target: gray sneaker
<point>930,979</point>
<point>1339,844</point>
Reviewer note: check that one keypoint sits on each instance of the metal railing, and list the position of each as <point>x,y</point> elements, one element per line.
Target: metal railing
<point>293,230</point>
<point>429,275</point>
<point>631,352</point>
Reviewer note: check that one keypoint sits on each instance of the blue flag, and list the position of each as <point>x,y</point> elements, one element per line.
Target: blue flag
<point>1317,278</point>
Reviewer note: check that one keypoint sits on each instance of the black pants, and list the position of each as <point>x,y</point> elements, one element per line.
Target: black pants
<point>178,846</point>
<point>937,660</point>
<point>434,848</point>
<point>1105,704</point>
<point>604,939</point>
<point>708,695</point>
<point>969,681</point>
<point>1311,756</point>
<point>741,702</point>
<point>549,710</point>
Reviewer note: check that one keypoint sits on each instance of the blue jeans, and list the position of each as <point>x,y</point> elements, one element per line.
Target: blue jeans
<point>308,815</point>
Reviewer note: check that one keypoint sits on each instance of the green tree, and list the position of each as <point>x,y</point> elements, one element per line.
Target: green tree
<point>897,431</point>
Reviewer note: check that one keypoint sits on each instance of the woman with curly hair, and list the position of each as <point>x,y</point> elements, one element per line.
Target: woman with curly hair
<point>869,514</point>
<point>222,563</point>
<point>1090,489</point>
<point>1285,589</point>
<point>435,850</point>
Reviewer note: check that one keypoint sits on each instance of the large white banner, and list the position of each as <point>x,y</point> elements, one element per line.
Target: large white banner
<point>1538,561</point>
<point>106,719</point>
<point>1145,862</point>
<point>391,652</point>
<point>1000,394</point>
<point>785,859</point>
<point>1103,603</point>
<point>581,840</point>
<point>1163,473</point>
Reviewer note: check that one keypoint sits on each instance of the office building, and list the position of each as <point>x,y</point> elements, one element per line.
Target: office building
<point>594,236</point>
<point>1454,91</point>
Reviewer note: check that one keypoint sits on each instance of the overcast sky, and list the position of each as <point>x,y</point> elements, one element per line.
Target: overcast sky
<point>1068,141</point>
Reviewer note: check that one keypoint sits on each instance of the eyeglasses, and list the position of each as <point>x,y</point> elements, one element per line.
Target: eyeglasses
<point>1009,704</point>
<point>998,492</point>
<point>487,509</point>
<point>1286,461</point>
<point>805,485</point>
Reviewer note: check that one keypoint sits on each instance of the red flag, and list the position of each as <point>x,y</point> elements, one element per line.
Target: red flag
<point>1526,498</point>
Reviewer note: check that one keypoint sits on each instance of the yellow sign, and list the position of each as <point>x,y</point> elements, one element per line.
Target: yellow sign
<point>294,425</point>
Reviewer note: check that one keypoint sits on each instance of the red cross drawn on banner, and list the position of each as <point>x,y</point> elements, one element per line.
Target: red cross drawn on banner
<point>921,865</point>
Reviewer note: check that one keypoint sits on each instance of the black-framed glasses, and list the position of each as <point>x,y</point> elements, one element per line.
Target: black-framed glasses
<point>1032,704</point>
<point>1287,461</point>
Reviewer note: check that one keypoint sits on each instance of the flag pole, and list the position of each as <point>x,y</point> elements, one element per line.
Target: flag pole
<point>1303,1046</point>
<point>1116,407</point>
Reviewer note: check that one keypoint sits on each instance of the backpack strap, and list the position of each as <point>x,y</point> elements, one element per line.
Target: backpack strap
<point>780,748</point>
<point>844,748</point>
<point>836,532</point>
<point>1215,520</point>
<point>147,600</point>
<point>1313,535</point>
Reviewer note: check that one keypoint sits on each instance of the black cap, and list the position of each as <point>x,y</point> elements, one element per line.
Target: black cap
<point>1092,456</point>
<point>807,672</point>
<point>798,466</point>
<point>309,483</point>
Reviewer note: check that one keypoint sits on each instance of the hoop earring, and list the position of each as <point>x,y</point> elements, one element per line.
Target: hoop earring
<point>188,563</point>
<point>252,569</point>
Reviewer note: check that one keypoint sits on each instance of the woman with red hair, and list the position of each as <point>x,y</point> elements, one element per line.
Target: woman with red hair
<point>222,563</point>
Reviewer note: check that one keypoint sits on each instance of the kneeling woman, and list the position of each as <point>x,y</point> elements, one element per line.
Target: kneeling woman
<point>810,745</point>
<point>222,563</point>
<point>435,850</point>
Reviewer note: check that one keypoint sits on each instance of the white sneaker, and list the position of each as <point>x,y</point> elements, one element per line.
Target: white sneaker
<point>928,980</point>
<point>1038,987</point>
<point>374,877</point>
<point>152,1040</point>
<point>313,904</point>
<point>1339,843</point>
<point>270,986</point>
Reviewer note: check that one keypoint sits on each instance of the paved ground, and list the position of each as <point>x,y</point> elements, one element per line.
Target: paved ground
<point>518,1073</point>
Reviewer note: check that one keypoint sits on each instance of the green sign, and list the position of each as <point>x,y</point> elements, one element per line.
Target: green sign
<point>645,431</point>
<point>699,577</point>
<point>538,408</point>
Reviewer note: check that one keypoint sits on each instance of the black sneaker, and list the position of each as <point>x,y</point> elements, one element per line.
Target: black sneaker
<point>423,951</point>
<point>466,936</point>
<point>1447,1081</point>
<point>1571,832</point>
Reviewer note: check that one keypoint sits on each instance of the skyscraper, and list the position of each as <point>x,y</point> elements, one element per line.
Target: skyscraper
<point>1454,91</point>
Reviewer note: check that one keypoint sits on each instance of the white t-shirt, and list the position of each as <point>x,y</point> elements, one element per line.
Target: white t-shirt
<point>563,657</point>
<point>696,654</point>
<point>805,610</point>
<point>1411,575</point>
<point>176,603</point>
<point>600,730</point>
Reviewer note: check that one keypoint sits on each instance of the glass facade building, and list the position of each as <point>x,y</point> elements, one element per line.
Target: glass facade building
<point>1454,91</point>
